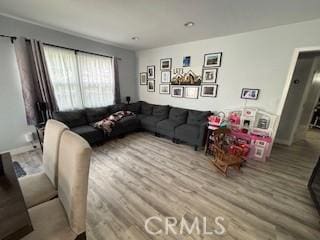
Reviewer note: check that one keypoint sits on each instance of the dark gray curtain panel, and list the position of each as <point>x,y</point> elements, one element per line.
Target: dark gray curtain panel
<point>117,96</point>
<point>36,86</point>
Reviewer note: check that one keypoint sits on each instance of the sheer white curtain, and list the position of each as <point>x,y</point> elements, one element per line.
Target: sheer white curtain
<point>96,79</point>
<point>63,72</point>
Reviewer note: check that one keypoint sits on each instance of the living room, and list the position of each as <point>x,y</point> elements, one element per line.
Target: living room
<point>159,119</point>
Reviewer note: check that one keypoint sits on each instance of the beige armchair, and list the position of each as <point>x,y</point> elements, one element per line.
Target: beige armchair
<point>42,187</point>
<point>65,217</point>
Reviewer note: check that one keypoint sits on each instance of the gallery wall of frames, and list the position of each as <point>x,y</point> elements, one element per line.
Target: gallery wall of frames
<point>181,83</point>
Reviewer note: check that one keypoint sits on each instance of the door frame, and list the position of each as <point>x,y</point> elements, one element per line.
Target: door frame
<point>286,88</point>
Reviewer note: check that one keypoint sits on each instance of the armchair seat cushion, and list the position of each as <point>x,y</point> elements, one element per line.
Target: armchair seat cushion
<point>150,123</point>
<point>37,189</point>
<point>50,221</point>
<point>188,133</point>
<point>91,134</point>
<point>166,127</point>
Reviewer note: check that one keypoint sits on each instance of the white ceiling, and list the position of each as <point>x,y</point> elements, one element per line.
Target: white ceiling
<point>159,22</point>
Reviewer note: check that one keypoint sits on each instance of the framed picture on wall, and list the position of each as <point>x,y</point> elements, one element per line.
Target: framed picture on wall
<point>209,90</point>
<point>164,88</point>
<point>165,77</point>
<point>212,60</point>
<point>165,64</point>
<point>209,75</point>
<point>177,91</point>
<point>143,78</point>
<point>151,86</point>
<point>186,61</point>
<point>151,72</point>
<point>191,92</point>
<point>250,93</point>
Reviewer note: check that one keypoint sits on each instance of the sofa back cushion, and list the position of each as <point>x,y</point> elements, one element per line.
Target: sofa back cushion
<point>134,107</point>
<point>178,115</point>
<point>197,117</point>
<point>72,119</point>
<point>160,112</point>
<point>97,114</point>
<point>146,108</point>
<point>116,108</point>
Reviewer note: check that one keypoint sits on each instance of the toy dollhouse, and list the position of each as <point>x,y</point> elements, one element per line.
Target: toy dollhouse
<point>253,128</point>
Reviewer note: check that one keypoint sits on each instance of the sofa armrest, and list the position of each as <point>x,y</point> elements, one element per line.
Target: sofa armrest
<point>203,132</point>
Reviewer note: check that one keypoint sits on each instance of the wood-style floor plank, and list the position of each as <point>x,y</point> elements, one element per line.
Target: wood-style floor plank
<point>141,176</point>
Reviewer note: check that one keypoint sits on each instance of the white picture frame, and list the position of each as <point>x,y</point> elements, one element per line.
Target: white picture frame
<point>177,91</point>
<point>191,92</point>
<point>151,72</point>
<point>166,77</point>
<point>143,78</point>
<point>164,88</point>
<point>209,90</point>
<point>209,75</point>
<point>151,86</point>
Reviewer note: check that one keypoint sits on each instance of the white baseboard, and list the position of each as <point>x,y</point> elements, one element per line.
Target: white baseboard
<point>23,149</point>
<point>282,141</point>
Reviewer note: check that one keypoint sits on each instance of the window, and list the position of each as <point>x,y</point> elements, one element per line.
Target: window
<point>80,79</point>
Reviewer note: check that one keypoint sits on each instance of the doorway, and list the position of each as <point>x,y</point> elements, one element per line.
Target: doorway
<point>302,99</point>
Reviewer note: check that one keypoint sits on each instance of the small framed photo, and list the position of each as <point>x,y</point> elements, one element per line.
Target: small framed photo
<point>186,61</point>
<point>164,88</point>
<point>209,90</point>
<point>165,64</point>
<point>212,60</point>
<point>151,72</point>
<point>177,91</point>
<point>143,78</point>
<point>151,86</point>
<point>249,93</point>
<point>209,75</point>
<point>165,77</point>
<point>191,92</point>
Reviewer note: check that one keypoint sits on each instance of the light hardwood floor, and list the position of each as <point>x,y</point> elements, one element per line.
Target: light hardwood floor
<point>141,175</point>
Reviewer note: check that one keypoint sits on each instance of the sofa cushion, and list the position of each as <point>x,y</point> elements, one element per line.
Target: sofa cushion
<point>116,108</point>
<point>134,107</point>
<point>71,118</point>
<point>188,133</point>
<point>96,114</point>
<point>178,115</point>
<point>197,117</point>
<point>129,121</point>
<point>91,134</point>
<point>166,127</point>
<point>150,123</point>
<point>146,108</point>
<point>160,112</point>
<point>141,116</point>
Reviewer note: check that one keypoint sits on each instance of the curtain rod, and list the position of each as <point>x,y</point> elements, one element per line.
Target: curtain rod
<point>78,50</point>
<point>12,38</point>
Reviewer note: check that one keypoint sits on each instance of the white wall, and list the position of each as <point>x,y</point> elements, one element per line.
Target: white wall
<point>12,119</point>
<point>258,59</point>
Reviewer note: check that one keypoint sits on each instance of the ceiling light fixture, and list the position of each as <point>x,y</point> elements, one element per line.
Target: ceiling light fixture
<point>135,38</point>
<point>189,24</point>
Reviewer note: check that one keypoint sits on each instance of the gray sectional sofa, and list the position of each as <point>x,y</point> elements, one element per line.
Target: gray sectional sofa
<point>178,124</point>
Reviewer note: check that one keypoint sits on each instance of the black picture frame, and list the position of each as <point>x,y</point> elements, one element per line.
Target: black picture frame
<point>146,78</point>
<point>218,64</point>
<point>315,174</point>
<point>167,93</point>
<point>170,64</point>
<point>151,69</point>
<point>172,91</point>
<point>211,85</point>
<point>154,86</point>
<point>215,75</point>
<point>244,93</point>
